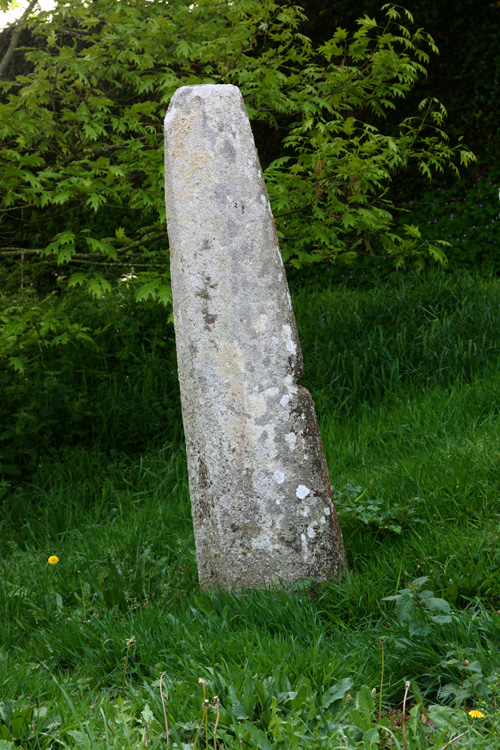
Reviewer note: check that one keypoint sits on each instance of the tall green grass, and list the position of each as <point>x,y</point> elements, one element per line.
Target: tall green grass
<point>406,381</point>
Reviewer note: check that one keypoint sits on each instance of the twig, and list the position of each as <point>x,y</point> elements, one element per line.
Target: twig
<point>454,739</point>
<point>164,711</point>
<point>216,704</point>
<point>106,721</point>
<point>83,598</point>
<point>382,641</point>
<point>407,687</point>
<point>130,641</point>
<point>203,717</point>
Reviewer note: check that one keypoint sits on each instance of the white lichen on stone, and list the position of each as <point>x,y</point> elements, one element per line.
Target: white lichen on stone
<point>290,344</point>
<point>279,477</point>
<point>291,440</point>
<point>302,491</point>
<point>284,399</point>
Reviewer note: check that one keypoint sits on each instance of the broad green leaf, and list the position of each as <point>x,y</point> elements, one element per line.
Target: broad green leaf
<point>365,702</point>
<point>17,364</point>
<point>337,692</point>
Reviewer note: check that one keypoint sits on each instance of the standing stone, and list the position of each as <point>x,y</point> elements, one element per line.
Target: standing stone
<point>260,493</point>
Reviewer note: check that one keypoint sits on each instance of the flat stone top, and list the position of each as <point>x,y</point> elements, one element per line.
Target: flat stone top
<point>207,91</point>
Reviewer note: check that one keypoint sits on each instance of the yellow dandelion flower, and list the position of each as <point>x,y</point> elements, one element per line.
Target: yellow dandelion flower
<point>476,714</point>
<point>53,560</point>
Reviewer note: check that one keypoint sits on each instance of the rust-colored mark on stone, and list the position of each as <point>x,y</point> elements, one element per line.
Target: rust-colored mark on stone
<point>203,474</point>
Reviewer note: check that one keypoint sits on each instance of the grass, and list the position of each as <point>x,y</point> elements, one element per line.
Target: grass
<point>406,381</point>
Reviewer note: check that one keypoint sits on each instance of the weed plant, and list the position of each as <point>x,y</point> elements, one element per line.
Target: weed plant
<point>105,648</point>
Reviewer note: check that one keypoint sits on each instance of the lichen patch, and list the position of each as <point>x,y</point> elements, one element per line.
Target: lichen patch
<point>279,477</point>
<point>302,491</point>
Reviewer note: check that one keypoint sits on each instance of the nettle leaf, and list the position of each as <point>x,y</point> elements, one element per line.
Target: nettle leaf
<point>419,627</point>
<point>434,603</point>
<point>405,605</point>
<point>441,619</point>
<point>417,582</point>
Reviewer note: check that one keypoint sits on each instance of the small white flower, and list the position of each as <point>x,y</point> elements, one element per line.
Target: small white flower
<point>128,277</point>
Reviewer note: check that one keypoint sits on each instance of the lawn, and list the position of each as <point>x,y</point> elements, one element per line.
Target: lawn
<point>115,645</point>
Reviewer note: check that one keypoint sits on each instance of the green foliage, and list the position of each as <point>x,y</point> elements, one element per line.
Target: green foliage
<point>80,376</point>
<point>419,609</point>
<point>466,216</point>
<point>354,503</point>
<point>80,135</point>
<point>467,681</point>
<point>342,166</point>
<point>463,76</point>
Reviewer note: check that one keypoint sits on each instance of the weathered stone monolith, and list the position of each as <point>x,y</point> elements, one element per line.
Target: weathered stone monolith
<point>260,493</point>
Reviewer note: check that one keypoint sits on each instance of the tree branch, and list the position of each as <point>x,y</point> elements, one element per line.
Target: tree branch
<point>15,38</point>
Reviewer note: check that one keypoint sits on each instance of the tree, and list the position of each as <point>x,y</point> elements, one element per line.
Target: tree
<point>81,135</point>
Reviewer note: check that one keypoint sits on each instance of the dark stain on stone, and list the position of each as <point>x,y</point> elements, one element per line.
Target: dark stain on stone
<point>221,192</point>
<point>203,473</point>
<point>203,508</point>
<point>204,249</point>
<point>203,293</point>
<point>228,151</point>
